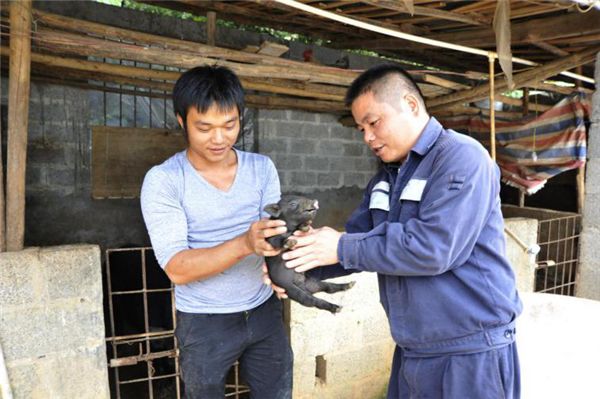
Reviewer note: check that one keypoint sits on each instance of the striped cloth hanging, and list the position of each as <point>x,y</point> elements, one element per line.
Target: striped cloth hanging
<point>533,149</point>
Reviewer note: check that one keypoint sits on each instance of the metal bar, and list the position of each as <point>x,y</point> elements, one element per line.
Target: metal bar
<point>111,310</point>
<point>131,360</point>
<point>136,337</point>
<point>142,291</point>
<point>149,367</point>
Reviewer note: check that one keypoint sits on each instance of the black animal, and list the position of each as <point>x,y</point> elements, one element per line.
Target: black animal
<point>298,213</point>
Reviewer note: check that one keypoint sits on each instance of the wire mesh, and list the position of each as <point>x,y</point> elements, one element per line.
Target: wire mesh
<point>558,259</point>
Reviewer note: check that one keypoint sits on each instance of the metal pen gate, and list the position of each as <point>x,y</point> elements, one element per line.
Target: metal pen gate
<point>140,316</point>
<point>558,260</point>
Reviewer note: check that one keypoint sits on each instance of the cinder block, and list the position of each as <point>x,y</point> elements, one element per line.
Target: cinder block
<point>303,178</point>
<point>329,179</point>
<point>302,146</point>
<point>272,114</point>
<point>18,283</point>
<point>278,146</point>
<point>315,131</point>
<point>73,271</point>
<point>288,129</point>
<point>344,133</point>
<point>318,163</point>
<point>593,144</point>
<point>288,162</point>
<point>61,177</point>
<point>353,149</point>
<point>78,374</point>
<point>323,118</point>
<point>50,329</point>
<point>354,179</point>
<point>591,212</point>
<point>301,116</point>
<point>331,148</point>
<point>523,263</point>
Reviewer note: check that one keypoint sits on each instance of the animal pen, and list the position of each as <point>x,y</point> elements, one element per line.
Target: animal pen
<point>125,70</point>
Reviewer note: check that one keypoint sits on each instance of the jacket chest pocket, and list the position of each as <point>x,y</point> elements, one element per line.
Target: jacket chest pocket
<point>408,210</point>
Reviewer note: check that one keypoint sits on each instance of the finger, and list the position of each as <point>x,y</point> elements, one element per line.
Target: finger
<point>281,296</point>
<point>294,263</point>
<point>273,252</point>
<point>267,223</point>
<point>307,266</point>
<point>296,253</point>
<point>266,233</point>
<point>266,280</point>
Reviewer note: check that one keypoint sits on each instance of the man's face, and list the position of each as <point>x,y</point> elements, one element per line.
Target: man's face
<point>389,131</point>
<point>212,134</point>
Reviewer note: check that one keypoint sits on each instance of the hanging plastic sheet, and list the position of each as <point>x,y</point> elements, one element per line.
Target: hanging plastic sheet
<point>533,149</point>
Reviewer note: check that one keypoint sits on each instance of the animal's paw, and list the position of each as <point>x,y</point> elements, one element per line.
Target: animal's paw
<point>336,309</point>
<point>305,227</point>
<point>351,284</point>
<point>289,243</point>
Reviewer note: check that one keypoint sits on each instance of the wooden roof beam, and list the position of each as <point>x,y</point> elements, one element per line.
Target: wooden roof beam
<point>522,79</point>
<point>429,12</point>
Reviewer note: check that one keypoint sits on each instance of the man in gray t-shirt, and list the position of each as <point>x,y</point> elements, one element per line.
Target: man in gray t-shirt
<point>203,209</point>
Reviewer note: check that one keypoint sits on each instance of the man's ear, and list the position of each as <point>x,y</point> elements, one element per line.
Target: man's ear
<point>273,210</point>
<point>180,120</point>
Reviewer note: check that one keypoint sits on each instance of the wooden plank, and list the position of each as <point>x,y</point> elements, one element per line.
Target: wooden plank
<point>429,12</point>
<point>122,73</point>
<point>449,84</point>
<point>522,79</point>
<point>68,43</point>
<point>211,28</point>
<point>272,49</point>
<point>82,26</point>
<point>18,118</point>
<point>122,156</point>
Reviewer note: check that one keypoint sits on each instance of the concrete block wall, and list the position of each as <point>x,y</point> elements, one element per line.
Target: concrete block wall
<point>52,322</point>
<point>313,150</point>
<point>526,230</point>
<point>346,355</point>
<point>589,267</point>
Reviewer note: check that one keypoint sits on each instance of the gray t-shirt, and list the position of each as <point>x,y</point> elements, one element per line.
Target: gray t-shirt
<point>182,210</point>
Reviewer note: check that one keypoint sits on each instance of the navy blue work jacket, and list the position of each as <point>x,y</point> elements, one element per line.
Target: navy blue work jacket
<point>433,231</point>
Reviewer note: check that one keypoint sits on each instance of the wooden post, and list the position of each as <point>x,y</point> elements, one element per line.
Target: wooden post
<point>18,116</point>
<point>492,108</point>
<point>525,100</point>
<point>211,28</point>
<point>581,170</point>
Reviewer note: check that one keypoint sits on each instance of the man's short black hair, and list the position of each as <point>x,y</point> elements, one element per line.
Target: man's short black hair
<point>204,86</point>
<point>371,79</point>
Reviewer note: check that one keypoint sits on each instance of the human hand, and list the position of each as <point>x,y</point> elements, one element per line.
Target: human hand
<point>259,231</point>
<point>315,248</point>
<point>280,292</point>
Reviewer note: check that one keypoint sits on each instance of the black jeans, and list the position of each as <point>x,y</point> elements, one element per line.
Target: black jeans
<point>209,344</point>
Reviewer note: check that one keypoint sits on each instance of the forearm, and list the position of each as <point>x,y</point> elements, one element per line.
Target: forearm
<point>201,263</point>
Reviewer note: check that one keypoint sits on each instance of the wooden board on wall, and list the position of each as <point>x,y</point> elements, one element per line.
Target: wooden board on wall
<point>121,156</point>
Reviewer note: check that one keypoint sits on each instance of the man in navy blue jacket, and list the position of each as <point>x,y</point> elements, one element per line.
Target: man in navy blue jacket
<point>430,226</point>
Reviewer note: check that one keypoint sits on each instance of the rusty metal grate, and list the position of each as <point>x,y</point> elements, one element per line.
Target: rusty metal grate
<point>140,317</point>
<point>558,260</point>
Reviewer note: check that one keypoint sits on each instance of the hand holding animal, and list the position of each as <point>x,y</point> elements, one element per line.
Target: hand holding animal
<point>298,212</point>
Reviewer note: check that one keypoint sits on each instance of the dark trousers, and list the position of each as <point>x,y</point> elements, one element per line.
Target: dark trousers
<point>209,344</point>
<point>492,374</point>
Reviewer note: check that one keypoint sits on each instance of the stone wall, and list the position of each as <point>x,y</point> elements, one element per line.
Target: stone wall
<point>589,269</point>
<point>52,322</point>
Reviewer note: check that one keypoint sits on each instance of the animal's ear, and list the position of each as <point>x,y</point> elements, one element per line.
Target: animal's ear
<point>273,210</point>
